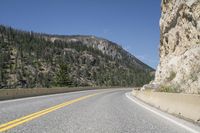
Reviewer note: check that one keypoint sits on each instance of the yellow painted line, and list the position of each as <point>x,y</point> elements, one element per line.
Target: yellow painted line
<point>30,117</point>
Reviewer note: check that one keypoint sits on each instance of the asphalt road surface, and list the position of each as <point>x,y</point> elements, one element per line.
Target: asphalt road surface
<point>93,111</point>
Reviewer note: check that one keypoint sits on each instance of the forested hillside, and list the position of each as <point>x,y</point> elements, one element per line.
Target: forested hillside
<point>29,59</point>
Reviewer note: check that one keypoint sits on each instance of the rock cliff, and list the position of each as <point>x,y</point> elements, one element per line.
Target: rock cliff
<point>179,67</point>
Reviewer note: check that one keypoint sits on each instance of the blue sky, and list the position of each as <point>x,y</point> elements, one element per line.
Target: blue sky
<point>134,24</point>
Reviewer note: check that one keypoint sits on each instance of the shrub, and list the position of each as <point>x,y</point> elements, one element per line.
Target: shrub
<point>172,76</point>
<point>170,88</point>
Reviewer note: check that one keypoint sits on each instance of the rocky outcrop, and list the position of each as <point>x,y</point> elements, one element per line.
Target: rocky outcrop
<point>105,46</point>
<point>179,65</point>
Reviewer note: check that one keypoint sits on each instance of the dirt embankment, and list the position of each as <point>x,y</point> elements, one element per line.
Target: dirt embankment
<point>6,94</point>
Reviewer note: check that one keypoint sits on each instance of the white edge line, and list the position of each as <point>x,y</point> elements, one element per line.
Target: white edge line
<point>161,115</point>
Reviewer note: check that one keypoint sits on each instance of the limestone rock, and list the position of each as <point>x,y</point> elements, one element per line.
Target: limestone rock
<point>180,45</point>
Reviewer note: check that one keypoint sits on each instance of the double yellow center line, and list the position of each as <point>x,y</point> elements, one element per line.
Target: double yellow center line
<point>30,117</point>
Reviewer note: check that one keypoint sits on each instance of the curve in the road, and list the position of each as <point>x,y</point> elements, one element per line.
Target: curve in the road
<point>108,112</point>
<point>19,121</point>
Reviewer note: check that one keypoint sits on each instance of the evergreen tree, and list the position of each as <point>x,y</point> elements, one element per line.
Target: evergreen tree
<point>63,76</point>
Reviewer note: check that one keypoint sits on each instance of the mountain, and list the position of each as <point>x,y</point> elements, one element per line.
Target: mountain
<point>179,68</point>
<point>29,59</point>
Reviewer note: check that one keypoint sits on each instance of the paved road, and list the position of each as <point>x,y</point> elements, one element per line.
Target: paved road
<point>108,112</point>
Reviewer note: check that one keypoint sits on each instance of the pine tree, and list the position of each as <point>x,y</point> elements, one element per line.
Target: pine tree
<point>63,76</point>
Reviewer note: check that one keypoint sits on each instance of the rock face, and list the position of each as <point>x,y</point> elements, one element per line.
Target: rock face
<point>180,46</point>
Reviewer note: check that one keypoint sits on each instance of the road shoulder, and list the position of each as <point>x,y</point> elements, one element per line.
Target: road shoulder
<point>175,120</point>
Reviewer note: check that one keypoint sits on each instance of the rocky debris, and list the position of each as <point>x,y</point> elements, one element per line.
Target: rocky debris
<point>180,46</point>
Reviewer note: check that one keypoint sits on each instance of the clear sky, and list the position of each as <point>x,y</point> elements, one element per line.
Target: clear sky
<point>134,24</point>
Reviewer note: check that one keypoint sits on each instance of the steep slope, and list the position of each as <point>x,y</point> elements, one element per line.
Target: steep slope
<point>30,59</point>
<point>106,47</point>
<point>179,68</point>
